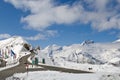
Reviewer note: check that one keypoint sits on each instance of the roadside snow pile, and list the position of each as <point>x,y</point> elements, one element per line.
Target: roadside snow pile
<point>53,75</point>
<point>95,54</point>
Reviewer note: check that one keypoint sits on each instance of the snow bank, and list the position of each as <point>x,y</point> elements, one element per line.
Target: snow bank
<point>53,75</point>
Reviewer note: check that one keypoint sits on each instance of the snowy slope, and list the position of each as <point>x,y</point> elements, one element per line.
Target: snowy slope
<point>92,53</point>
<point>16,44</point>
<point>12,41</point>
<point>95,55</point>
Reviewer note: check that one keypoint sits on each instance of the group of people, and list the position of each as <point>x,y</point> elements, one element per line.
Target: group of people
<point>34,61</point>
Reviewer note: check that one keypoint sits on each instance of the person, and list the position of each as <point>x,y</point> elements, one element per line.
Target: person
<point>33,62</point>
<point>27,65</point>
<point>43,60</point>
<point>36,61</point>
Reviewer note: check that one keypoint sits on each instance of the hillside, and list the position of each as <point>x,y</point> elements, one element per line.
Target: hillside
<point>95,53</point>
<point>16,40</point>
<point>90,53</point>
<point>11,48</point>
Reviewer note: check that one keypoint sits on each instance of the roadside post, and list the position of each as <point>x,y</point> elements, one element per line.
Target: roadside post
<point>33,62</point>
<point>26,66</point>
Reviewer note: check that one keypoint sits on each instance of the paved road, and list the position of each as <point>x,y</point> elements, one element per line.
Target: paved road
<point>17,69</point>
<point>21,69</point>
<point>53,68</point>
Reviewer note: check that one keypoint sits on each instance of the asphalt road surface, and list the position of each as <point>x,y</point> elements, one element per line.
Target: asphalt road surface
<point>21,68</point>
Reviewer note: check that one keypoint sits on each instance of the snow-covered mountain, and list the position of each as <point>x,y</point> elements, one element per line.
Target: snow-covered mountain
<point>15,40</point>
<point>86,52</point>
<point>87,42</point>
<point>12,47</point>
<point>117,41</point>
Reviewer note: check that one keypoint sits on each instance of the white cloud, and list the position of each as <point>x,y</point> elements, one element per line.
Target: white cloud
<point>36,37</point>
<point>51,33</point>
<point>101,14</point>
<point>4,36</point>
<point>44,13</point>
<point>42,36</point>
<point>48,15</point>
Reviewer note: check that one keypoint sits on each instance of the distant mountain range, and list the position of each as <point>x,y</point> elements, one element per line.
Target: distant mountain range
<point>86,52</point>
<point>117,41</point>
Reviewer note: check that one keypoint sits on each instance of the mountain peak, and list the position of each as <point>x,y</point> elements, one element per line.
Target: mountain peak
<point>86,42</point>
<point>19,38</point>
<point>117,41</point>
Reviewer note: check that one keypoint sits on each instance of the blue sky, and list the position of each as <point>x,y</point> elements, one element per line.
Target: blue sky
<point>61,22</point>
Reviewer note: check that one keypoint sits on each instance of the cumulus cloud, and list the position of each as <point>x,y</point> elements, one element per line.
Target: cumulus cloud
<point>4,36</point>
<point>44,13</point>
<point>100,14</point>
